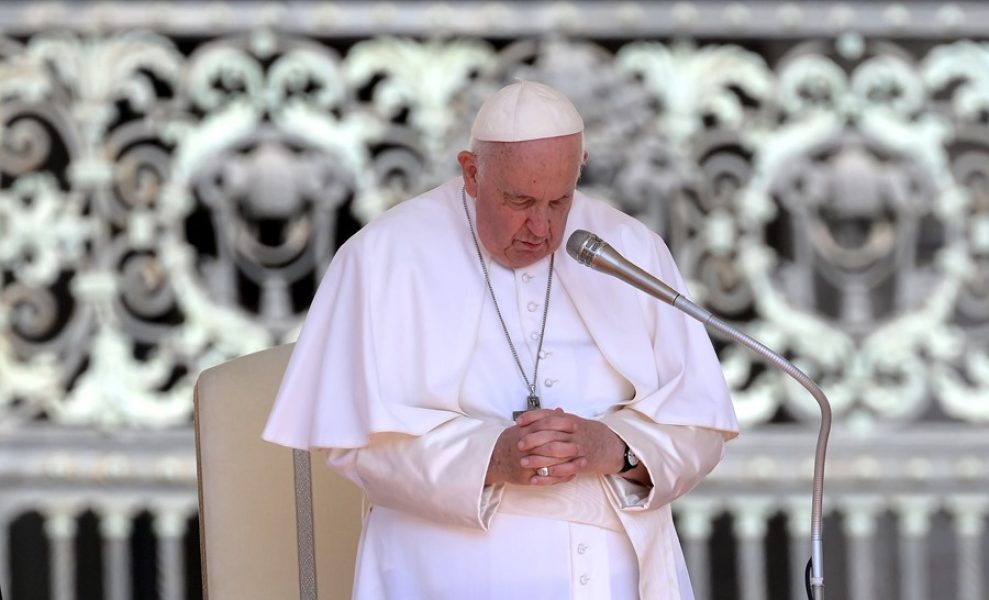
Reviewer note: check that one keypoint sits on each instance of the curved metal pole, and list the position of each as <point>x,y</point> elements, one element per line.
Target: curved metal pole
<point>817,498</point>
<point>590,250</point>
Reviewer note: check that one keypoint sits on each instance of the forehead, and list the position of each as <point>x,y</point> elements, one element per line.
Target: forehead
<point>550,159</point>
<point>567,145</point>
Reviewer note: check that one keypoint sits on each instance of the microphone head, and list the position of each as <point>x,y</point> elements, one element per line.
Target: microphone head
<point>583,246</point>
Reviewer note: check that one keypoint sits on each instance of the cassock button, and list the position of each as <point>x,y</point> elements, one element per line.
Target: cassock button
<point>550,382</point>
<point>535,336</point>
<point>526,278</point>
<point>585,579</point>
<point>532,306</point>
<point>581,548</point>
<point>544,353</point>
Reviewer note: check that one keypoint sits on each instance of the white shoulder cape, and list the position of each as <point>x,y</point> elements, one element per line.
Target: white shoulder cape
<point>391,330</point>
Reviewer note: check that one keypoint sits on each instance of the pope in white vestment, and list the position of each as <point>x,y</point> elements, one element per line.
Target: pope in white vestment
<point>402,373</point>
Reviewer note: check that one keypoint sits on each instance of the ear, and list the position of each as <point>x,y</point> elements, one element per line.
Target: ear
<point>580,167</point>
<point>468,167</point>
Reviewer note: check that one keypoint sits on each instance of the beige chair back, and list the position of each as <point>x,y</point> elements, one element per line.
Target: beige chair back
<point>258,537</point>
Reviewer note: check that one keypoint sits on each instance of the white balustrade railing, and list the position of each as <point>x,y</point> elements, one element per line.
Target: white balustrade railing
<point>61,474</point>
<point>766,474</point>
<point>910,476</point>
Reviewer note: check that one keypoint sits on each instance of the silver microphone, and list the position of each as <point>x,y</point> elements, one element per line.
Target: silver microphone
<point>591,251</point>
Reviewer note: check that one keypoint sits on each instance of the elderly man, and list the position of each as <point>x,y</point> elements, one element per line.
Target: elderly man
<point>440,322</point>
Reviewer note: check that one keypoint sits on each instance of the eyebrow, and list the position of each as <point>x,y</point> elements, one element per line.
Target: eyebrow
<point>526,197</point>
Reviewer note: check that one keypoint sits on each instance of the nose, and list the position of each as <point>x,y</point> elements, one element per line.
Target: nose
<point>538,221</point>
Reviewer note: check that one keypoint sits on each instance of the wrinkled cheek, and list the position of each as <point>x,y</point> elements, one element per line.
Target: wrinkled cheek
<point>556,231</point>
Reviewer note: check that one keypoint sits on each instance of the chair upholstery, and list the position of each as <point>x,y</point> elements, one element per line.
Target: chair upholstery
<point>247,504</point>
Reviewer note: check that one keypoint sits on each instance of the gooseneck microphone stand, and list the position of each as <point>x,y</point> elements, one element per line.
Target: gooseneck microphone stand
<point>590,250</point>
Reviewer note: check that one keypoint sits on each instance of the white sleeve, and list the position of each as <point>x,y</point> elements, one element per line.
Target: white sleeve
<point>438,475</point>
<point>677,457</point>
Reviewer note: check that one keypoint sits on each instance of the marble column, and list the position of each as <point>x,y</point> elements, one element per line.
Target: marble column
<point>860,525</point>
<point>694,525</point>
<point>750,520</point>
<point>798,528</point>
<point>969,523</point>
<point>116,526</point>
<point>60,528</point>
<point>169,528</point>
<point>915,524</point>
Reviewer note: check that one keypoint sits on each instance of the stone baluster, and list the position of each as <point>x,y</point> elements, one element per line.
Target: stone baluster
<point>116,525</point>
<point>60,528</point>
<point>169,527</point>
<point>915,524</point>
<point>750,528</point>
<point>695,525</point>
<point>798,527</point>
<point>969,515</point>
<point>860,525</point>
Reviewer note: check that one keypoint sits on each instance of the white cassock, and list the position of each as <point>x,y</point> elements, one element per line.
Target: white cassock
<point>402,371</point>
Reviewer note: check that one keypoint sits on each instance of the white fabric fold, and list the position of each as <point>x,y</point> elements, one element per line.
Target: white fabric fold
<point>438,476</point>
<point>581,500</point>
<point>677,459</point>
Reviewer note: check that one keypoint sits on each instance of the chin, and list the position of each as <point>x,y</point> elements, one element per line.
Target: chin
<point>525,258</point>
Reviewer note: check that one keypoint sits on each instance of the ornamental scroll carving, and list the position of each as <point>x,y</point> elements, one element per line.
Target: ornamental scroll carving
<point>165,206</point>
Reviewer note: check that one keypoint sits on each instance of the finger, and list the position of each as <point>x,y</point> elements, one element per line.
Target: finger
<point>537,480</point>
<point>553,452</point>
<point>554,422</point>
<point>539,438</point>
<point>531,416</point>
<point>534,461</point>
<point>567,469</point>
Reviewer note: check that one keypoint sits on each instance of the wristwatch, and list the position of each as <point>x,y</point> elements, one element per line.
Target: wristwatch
<point>631,460</point>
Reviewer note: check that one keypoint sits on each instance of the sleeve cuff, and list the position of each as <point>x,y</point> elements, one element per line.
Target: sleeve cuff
<point>676,456</point>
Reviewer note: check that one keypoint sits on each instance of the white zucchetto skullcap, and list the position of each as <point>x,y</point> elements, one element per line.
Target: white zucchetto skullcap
<point>523,111</point>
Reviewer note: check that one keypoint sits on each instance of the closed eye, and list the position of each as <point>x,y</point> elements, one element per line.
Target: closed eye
<point>519,201</point>
<point>524,202</point>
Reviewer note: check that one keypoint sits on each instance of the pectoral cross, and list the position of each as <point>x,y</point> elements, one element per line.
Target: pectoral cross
<point>531,403</point>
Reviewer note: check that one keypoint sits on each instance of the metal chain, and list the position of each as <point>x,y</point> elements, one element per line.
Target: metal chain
<point>508,337</point>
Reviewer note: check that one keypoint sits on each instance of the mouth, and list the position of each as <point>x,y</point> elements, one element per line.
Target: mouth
<point>531,245</point>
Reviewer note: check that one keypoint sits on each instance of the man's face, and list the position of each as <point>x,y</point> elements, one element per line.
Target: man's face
<point>523,193</point>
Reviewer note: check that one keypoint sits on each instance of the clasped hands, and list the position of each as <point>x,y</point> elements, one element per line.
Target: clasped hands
<point>562,442</point>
